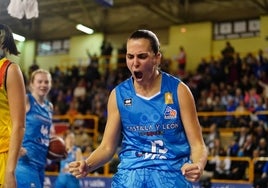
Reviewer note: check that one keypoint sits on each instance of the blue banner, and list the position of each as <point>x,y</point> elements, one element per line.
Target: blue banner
<point>88,182</point>
<point>105,182</point>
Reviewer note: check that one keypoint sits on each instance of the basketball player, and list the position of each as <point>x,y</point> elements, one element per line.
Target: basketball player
<point>31,165</point>
<point>12,110</point>
<point>65,179</point>
<point>162,144</point>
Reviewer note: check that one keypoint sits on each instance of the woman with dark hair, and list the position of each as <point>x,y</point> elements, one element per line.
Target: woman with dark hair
<point>162,143</point>
<point>12,109</point>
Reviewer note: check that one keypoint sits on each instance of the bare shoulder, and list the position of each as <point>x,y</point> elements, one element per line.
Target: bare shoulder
<point>183,88</point>
<point>14,78</point>
<point>13,67</point>
<point>112,97</point>
<point>14,72</point>
<point>112,92</point>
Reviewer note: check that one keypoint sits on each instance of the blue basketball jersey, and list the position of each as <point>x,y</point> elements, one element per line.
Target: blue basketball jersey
<point>153,133</point>
<point>70,158</point>
<point>65,178</point>
<point>36,137</point>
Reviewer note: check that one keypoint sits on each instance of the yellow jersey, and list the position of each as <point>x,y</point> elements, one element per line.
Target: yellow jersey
<point>5,119</point>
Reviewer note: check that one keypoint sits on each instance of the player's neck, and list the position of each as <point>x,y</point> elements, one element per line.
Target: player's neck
<point>149,89</point>
<point>39,99</point>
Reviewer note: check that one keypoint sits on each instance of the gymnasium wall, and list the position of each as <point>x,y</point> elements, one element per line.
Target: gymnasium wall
<point>196,41</point>
<point>196,38</point>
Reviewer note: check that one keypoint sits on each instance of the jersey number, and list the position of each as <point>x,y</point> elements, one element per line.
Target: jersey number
<point>158,150</point>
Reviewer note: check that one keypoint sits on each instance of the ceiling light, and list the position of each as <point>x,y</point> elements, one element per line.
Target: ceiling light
<point>84,29</point>
<point>108,3</point>
<point>18,37</point>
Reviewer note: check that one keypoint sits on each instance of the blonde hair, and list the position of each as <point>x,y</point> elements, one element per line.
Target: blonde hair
<point>39,71</point>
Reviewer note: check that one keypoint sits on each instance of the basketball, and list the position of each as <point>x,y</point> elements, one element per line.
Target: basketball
<point>56,148</point>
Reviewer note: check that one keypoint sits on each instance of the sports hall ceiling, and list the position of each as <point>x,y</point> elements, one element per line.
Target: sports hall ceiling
<point>57,18</point>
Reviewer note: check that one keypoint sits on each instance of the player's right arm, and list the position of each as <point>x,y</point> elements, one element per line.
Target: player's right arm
<point>192,171</point>
<point>106,150</point>
<point>16,99</point>
<point>23,150</point>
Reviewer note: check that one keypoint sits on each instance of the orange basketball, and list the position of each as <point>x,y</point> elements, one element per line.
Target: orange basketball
<point>56,148</point>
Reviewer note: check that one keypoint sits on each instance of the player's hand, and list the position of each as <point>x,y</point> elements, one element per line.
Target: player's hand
<point>22,152</point>
<point>78,169</point>
<point>10,180</point>
<point>191,171</point>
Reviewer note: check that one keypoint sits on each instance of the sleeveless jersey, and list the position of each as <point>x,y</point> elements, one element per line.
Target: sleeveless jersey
<point>65,178</point>
<point>36,137</point>
<point>5,119</point>
<point>70,158</point>
<point>153,133</point>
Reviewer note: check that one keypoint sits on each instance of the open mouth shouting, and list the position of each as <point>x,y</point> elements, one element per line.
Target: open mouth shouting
<point>138,75</point>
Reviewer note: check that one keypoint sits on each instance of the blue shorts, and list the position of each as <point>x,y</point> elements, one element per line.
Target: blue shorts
<point>66,181</point>
<point>148,178</point>
<point>29,175</point>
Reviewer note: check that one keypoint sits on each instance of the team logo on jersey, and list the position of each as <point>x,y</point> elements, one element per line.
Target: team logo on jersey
<point>128,102</point>
<point>170,113</point>
<point>168,98</point>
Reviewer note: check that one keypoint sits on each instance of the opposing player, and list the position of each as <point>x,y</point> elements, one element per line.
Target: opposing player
<point>31,165</point>
<point>162,144</point>
<point>12,110</point>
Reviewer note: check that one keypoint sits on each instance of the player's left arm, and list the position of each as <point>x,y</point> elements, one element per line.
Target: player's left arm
<point>193,132</point>
<point>16,100</point>
<point>52,131</point>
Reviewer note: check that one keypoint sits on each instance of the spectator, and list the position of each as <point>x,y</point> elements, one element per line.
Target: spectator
<point>73,108</point>
<point>222,165</point>
<point>259,108</point>
<point>241,107</point>
<point>228,51</point>
<point>122,61</point>
<point>82,137</point>
<point>233,148</point>
<point>234,70</point>
<point>80,89</point>
<point>262,182</point>
<point>251,99</point>
<point>212,136</point>
<point>260,57</point>
<point>242,134</point>
<point>92,70</point>
<point>258,164</point>
<point>106,53</point>
<point>262,147</point>
<point>247,148</point>
<point>228,57</point>
<point>237,170</point>
<point>202,66</point>
<point>182,60</point>
<point>60,104</point>
<point>264,86</point>
<point>32,68</point>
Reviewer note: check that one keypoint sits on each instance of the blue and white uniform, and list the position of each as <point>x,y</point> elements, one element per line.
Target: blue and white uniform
<point>35,141</point>
<point>65,179</point>
<point>154,145</point>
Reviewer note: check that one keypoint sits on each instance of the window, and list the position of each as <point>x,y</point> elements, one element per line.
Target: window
<point>53,47</point>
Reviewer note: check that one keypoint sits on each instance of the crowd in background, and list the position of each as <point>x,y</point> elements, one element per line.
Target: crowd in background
<point>231,83</point>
